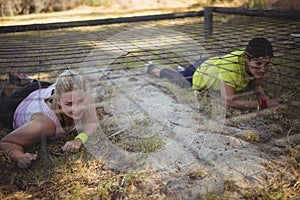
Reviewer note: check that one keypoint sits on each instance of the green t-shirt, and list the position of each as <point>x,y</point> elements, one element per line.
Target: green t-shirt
<point>229,69</point>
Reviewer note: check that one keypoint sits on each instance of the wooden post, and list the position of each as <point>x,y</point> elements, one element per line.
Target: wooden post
<point>208,21</point>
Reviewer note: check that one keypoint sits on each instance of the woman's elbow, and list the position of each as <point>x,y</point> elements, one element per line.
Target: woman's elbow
<point>1,144</point>
<point>4,145</point>
<point>229,103</point>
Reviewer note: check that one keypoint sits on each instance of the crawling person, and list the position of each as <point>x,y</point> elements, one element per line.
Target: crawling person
<point>228,75</point>
<point>41,109</point>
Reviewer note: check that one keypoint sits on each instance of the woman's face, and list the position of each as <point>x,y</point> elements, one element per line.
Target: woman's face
<point>258,66</point>
<point>73,103</point>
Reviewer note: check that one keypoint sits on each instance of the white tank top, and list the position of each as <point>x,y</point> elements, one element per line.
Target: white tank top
<point>35,103</point>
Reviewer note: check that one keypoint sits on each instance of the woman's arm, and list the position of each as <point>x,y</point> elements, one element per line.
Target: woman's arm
<point>88,125</point>
<point>228,96</point>
<point>260,92</point>
<point>27,135</point>
<point>90,121</point>
<point>261,95</point>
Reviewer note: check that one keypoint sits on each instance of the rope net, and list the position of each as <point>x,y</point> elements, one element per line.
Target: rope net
<point>113,50</point>
<point>50,51</point>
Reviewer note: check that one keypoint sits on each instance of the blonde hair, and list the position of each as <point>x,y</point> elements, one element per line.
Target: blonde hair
<point>66,82</point>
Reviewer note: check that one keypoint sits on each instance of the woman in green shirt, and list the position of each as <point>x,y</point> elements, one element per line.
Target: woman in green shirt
<point>229,74</point>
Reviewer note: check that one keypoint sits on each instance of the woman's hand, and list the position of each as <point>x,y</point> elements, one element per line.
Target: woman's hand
<point>274,102</point>
<point>264,96</point>
<point>26,160</point>
<point>72,146</point>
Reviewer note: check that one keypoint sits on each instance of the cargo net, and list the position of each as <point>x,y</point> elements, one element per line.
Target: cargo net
<point>114,56</point>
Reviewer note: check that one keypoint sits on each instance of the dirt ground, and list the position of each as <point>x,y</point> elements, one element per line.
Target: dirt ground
<point>192,152</point>
<point>198,153</point>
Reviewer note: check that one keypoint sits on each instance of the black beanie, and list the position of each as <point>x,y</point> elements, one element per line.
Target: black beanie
<point>259,47</point>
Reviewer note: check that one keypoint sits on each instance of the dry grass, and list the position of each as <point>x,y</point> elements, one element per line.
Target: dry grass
<point>56,175</point>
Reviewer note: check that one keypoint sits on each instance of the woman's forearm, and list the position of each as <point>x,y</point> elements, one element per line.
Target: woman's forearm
<point>242,104</point>
<point>260,92</point>
<point>90,122</point>
<point>90,128</point>
<point>14,151</point>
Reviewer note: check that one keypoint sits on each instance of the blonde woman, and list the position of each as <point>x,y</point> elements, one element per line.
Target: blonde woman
<point>47,110</point>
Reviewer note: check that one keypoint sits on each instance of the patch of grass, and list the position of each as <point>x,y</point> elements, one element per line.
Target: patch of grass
<point>211,195</point>
<point>229,185</point>
<point>284,185</point>
<point>250,136</point>
<point>139,139</point>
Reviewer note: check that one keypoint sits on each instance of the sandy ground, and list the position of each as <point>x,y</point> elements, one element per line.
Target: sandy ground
<point>200,153</point>
<point>196,155</point>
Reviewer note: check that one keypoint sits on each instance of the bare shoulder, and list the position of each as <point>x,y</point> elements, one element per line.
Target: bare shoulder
<point>43,122</point>
<point>30,133</point>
